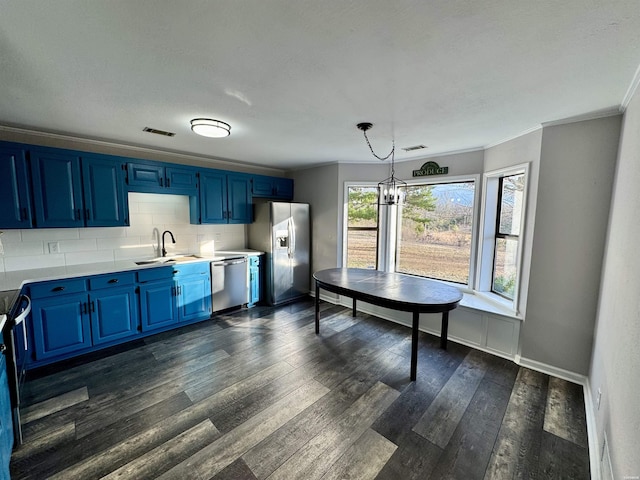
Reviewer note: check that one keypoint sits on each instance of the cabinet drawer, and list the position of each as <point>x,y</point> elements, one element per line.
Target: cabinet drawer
<point>112,280</point>
<point>199,268</point>
<point>60,287</point>
<point>152,274</point>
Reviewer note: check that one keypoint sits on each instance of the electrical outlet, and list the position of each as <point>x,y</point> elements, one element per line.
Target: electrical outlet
<point>598,399</point>
<point>54,247</point>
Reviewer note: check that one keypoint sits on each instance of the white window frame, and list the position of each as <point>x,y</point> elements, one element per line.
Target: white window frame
<point>484,280</point>
<point>388,227</point>
<point>345,219</point>
<point>438,180</point>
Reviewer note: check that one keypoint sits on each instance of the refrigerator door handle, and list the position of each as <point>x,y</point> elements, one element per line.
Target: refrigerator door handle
<point>292,237</point>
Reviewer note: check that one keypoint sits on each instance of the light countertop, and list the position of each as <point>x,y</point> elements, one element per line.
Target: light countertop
<point>16,279</point>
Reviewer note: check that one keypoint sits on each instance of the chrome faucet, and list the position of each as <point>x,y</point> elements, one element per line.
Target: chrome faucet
<point>173,240</point>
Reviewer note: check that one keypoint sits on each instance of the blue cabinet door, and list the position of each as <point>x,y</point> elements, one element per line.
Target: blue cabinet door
<point>57,188</point>
<point>60,325</point>
<point>146,175</point>
<point>14,192</point>
<point>6,422</point>
<point>105,200</point>
<point>158,305</point>
<point>181,180</point>
<point>283,188</point>
<point>194,297</point>
<point>272,187</point>
<point>114,314</point>
<point>213,197</point>
<point>254,285</point>
<point>262,186</point>
<point>239,199</point>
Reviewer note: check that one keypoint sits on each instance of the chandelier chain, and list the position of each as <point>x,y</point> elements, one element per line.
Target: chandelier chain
<point>393,148</point>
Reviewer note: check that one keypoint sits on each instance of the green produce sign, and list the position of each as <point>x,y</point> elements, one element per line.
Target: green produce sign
<point>430,168</point>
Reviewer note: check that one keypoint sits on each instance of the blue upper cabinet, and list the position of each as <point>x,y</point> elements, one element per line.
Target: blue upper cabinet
<point>213,198</point>
<point>156,177</point>
<point>272,187</point>
<point>105,198</point>
<point>57,188</point>
<point>224,198</point>
<point>74,190</point>
<point>239,198</point>
<point>14,189</point>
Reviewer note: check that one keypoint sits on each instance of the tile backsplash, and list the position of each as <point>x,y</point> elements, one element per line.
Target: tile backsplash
<point>150,215</point>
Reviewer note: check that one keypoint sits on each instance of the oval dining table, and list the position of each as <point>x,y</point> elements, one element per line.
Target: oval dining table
<point>396,291</point>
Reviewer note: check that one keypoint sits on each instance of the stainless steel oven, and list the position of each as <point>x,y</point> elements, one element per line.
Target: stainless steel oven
<point>15,350</point>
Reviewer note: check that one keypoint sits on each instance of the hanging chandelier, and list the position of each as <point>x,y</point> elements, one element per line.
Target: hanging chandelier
<point>391,190</point>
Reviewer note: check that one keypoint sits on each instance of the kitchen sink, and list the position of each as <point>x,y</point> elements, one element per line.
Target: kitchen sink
<point>171,259</point>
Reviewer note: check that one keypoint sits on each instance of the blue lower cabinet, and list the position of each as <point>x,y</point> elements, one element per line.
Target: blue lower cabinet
<point>60,325</point>
<point>194,297</point>
<point>254,280</point>
<point>114,314</point>
<point>158,306</point>
<point>6,422</point>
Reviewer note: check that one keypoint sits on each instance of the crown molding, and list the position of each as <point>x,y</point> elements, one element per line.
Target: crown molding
<point>513,137</point>
<point>633,86</point>
<point>604,113</point>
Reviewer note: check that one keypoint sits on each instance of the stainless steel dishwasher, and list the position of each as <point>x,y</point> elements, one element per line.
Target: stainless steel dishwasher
<point>229,283</point>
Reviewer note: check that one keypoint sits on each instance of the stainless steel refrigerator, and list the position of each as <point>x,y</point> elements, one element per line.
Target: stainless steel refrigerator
<point>282,231</point>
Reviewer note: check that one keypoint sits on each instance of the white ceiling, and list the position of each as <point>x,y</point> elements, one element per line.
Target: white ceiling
<point>293,77</point>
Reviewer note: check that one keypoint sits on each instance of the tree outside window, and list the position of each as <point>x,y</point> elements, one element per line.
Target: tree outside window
<point>507,236</point>
<point>435,231</point>
<point>362,227</point>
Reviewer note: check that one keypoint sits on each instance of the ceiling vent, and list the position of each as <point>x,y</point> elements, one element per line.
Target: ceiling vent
<point>159,132</point>
<point>415,147</point>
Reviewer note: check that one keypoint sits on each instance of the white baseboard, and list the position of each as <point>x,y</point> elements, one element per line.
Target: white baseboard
<point>592,433</point>
<point>551,370</point>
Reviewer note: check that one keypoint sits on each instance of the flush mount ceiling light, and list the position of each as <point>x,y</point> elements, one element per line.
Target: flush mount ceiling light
<point>391,190</point>
<point>207,127</point>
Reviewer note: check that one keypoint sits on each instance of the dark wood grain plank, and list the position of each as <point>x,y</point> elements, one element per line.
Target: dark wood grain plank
<point>468,451</point>
<point>414,459</point>
<point>164,456</point>
<point>50,461</point>
<point>560,458</point>
<point>238,470</point>
<point>440,420</point>
<point>364,459</point>
<point>224,451</point>
<point>314,458</point>
<point>283,443</point>
<point>565,414</point>
<point>517,450</point>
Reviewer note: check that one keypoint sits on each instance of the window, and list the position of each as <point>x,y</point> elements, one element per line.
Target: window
<point>507,234</point>
<point>362,227</point>
<point>435,231</point>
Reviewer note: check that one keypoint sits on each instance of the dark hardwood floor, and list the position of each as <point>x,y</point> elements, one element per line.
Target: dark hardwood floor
<point>256,394</point>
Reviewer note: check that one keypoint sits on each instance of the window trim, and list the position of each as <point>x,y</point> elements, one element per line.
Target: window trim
<point>345,222</point>
<point>440,180</point>
<point>489,224</point>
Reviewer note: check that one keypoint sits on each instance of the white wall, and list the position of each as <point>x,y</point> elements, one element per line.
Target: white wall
<point>577,164</point>
<point>319,187</point>
<point>615,365</point>
<point>29,248</point>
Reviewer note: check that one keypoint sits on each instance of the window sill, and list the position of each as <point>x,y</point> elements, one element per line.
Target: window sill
<point>489,303</point>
